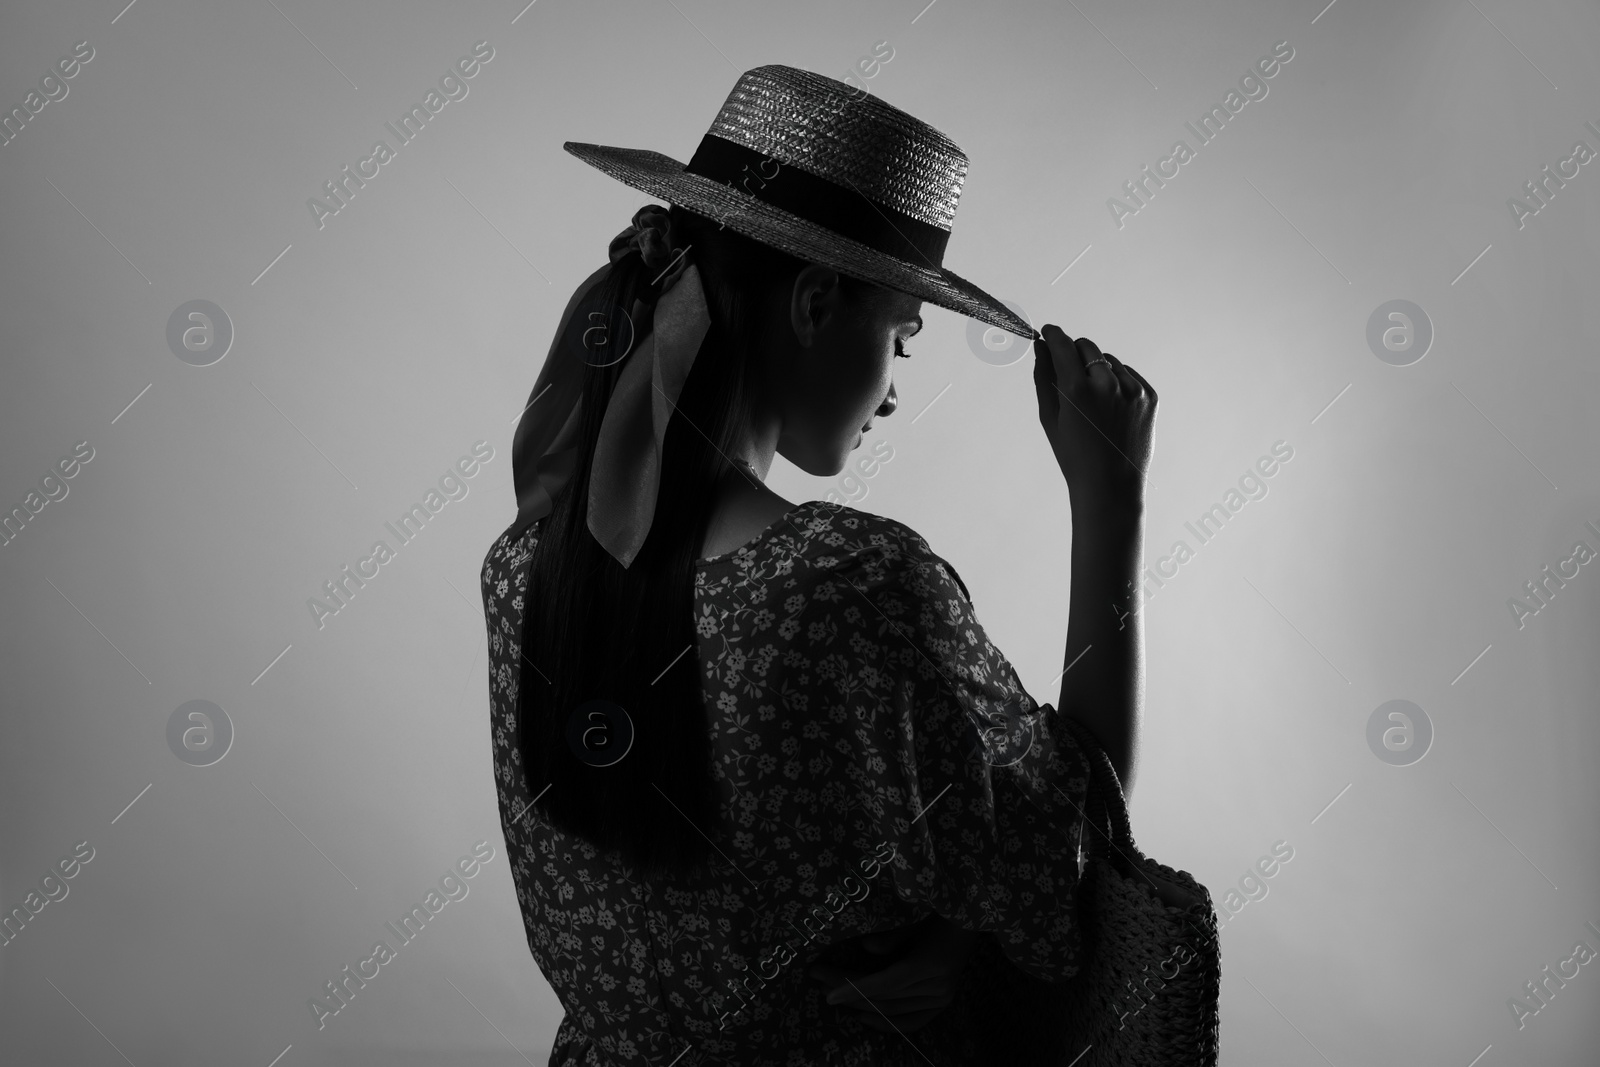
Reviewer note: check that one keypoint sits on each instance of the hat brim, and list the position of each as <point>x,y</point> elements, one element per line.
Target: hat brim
<point>664,177</point>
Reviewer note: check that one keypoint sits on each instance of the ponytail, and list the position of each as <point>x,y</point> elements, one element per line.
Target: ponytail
<point>594,630</point>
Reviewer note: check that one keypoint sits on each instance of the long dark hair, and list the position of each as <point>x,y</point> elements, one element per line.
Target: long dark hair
<point>596,630</point>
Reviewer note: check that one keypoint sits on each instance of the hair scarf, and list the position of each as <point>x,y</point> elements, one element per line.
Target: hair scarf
<point>625,475</point>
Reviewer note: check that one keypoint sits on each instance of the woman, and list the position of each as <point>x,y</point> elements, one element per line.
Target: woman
<point>766,787</point>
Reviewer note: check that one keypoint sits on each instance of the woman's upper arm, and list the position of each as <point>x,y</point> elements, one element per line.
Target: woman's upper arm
<point>981,789</point>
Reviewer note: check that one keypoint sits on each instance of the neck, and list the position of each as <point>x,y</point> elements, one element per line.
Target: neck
<point>753,457</point>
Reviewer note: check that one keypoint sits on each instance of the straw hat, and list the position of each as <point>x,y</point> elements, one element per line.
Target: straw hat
<point>828,173</point>
<point>797,161</point>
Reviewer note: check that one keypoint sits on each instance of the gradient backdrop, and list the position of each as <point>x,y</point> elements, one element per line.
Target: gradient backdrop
<point>370,353</point>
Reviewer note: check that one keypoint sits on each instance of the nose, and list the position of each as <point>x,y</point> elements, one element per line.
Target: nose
<point>887,407</point>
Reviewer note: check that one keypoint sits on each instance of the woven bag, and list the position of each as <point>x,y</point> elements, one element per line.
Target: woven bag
<point>1148,988</point>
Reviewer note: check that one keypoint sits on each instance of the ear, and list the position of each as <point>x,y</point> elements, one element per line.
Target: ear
<point>815,303</point>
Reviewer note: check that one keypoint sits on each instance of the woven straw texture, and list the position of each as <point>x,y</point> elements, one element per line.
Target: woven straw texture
<point>850,137</point>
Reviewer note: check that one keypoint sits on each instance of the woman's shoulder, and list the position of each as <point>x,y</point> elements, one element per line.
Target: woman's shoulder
<point>883,545</point>
<point>868,530</point>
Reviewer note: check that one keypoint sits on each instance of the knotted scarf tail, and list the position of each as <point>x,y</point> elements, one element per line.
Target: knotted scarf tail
<point>625,476</point>
<point>625,479</point>
<point>544,451</point>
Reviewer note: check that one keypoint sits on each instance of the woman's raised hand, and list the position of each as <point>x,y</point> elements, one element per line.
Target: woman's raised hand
<point>1099,414</point>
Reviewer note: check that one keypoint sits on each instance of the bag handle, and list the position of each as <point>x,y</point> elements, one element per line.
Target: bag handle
<point>1106,810</point>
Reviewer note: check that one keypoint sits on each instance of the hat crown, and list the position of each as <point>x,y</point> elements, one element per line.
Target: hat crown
<point>847,136</point>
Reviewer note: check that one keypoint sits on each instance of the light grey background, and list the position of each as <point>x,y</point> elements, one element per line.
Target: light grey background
<point>376,350</point>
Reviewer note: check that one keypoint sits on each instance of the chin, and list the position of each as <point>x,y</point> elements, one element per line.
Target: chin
<point>833,467</point>
<point>827,464</point>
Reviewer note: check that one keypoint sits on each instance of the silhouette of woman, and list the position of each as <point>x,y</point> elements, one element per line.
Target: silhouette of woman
<point>765,784</point>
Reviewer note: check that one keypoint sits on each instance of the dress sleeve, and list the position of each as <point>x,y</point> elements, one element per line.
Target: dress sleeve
<point>981,789</point>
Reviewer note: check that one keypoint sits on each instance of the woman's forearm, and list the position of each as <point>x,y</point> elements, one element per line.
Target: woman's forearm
<point>1103,689</point>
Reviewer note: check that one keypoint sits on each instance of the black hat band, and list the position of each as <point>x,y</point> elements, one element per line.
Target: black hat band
<point>799,192</point>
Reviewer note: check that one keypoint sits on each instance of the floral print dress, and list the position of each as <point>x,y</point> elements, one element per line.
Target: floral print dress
<point>877,761</point>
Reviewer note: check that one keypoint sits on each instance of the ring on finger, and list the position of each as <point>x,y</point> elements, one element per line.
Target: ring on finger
<point>1098,359</point>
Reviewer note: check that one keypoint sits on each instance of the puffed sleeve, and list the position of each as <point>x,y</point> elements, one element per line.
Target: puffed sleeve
<point>981,790</point>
